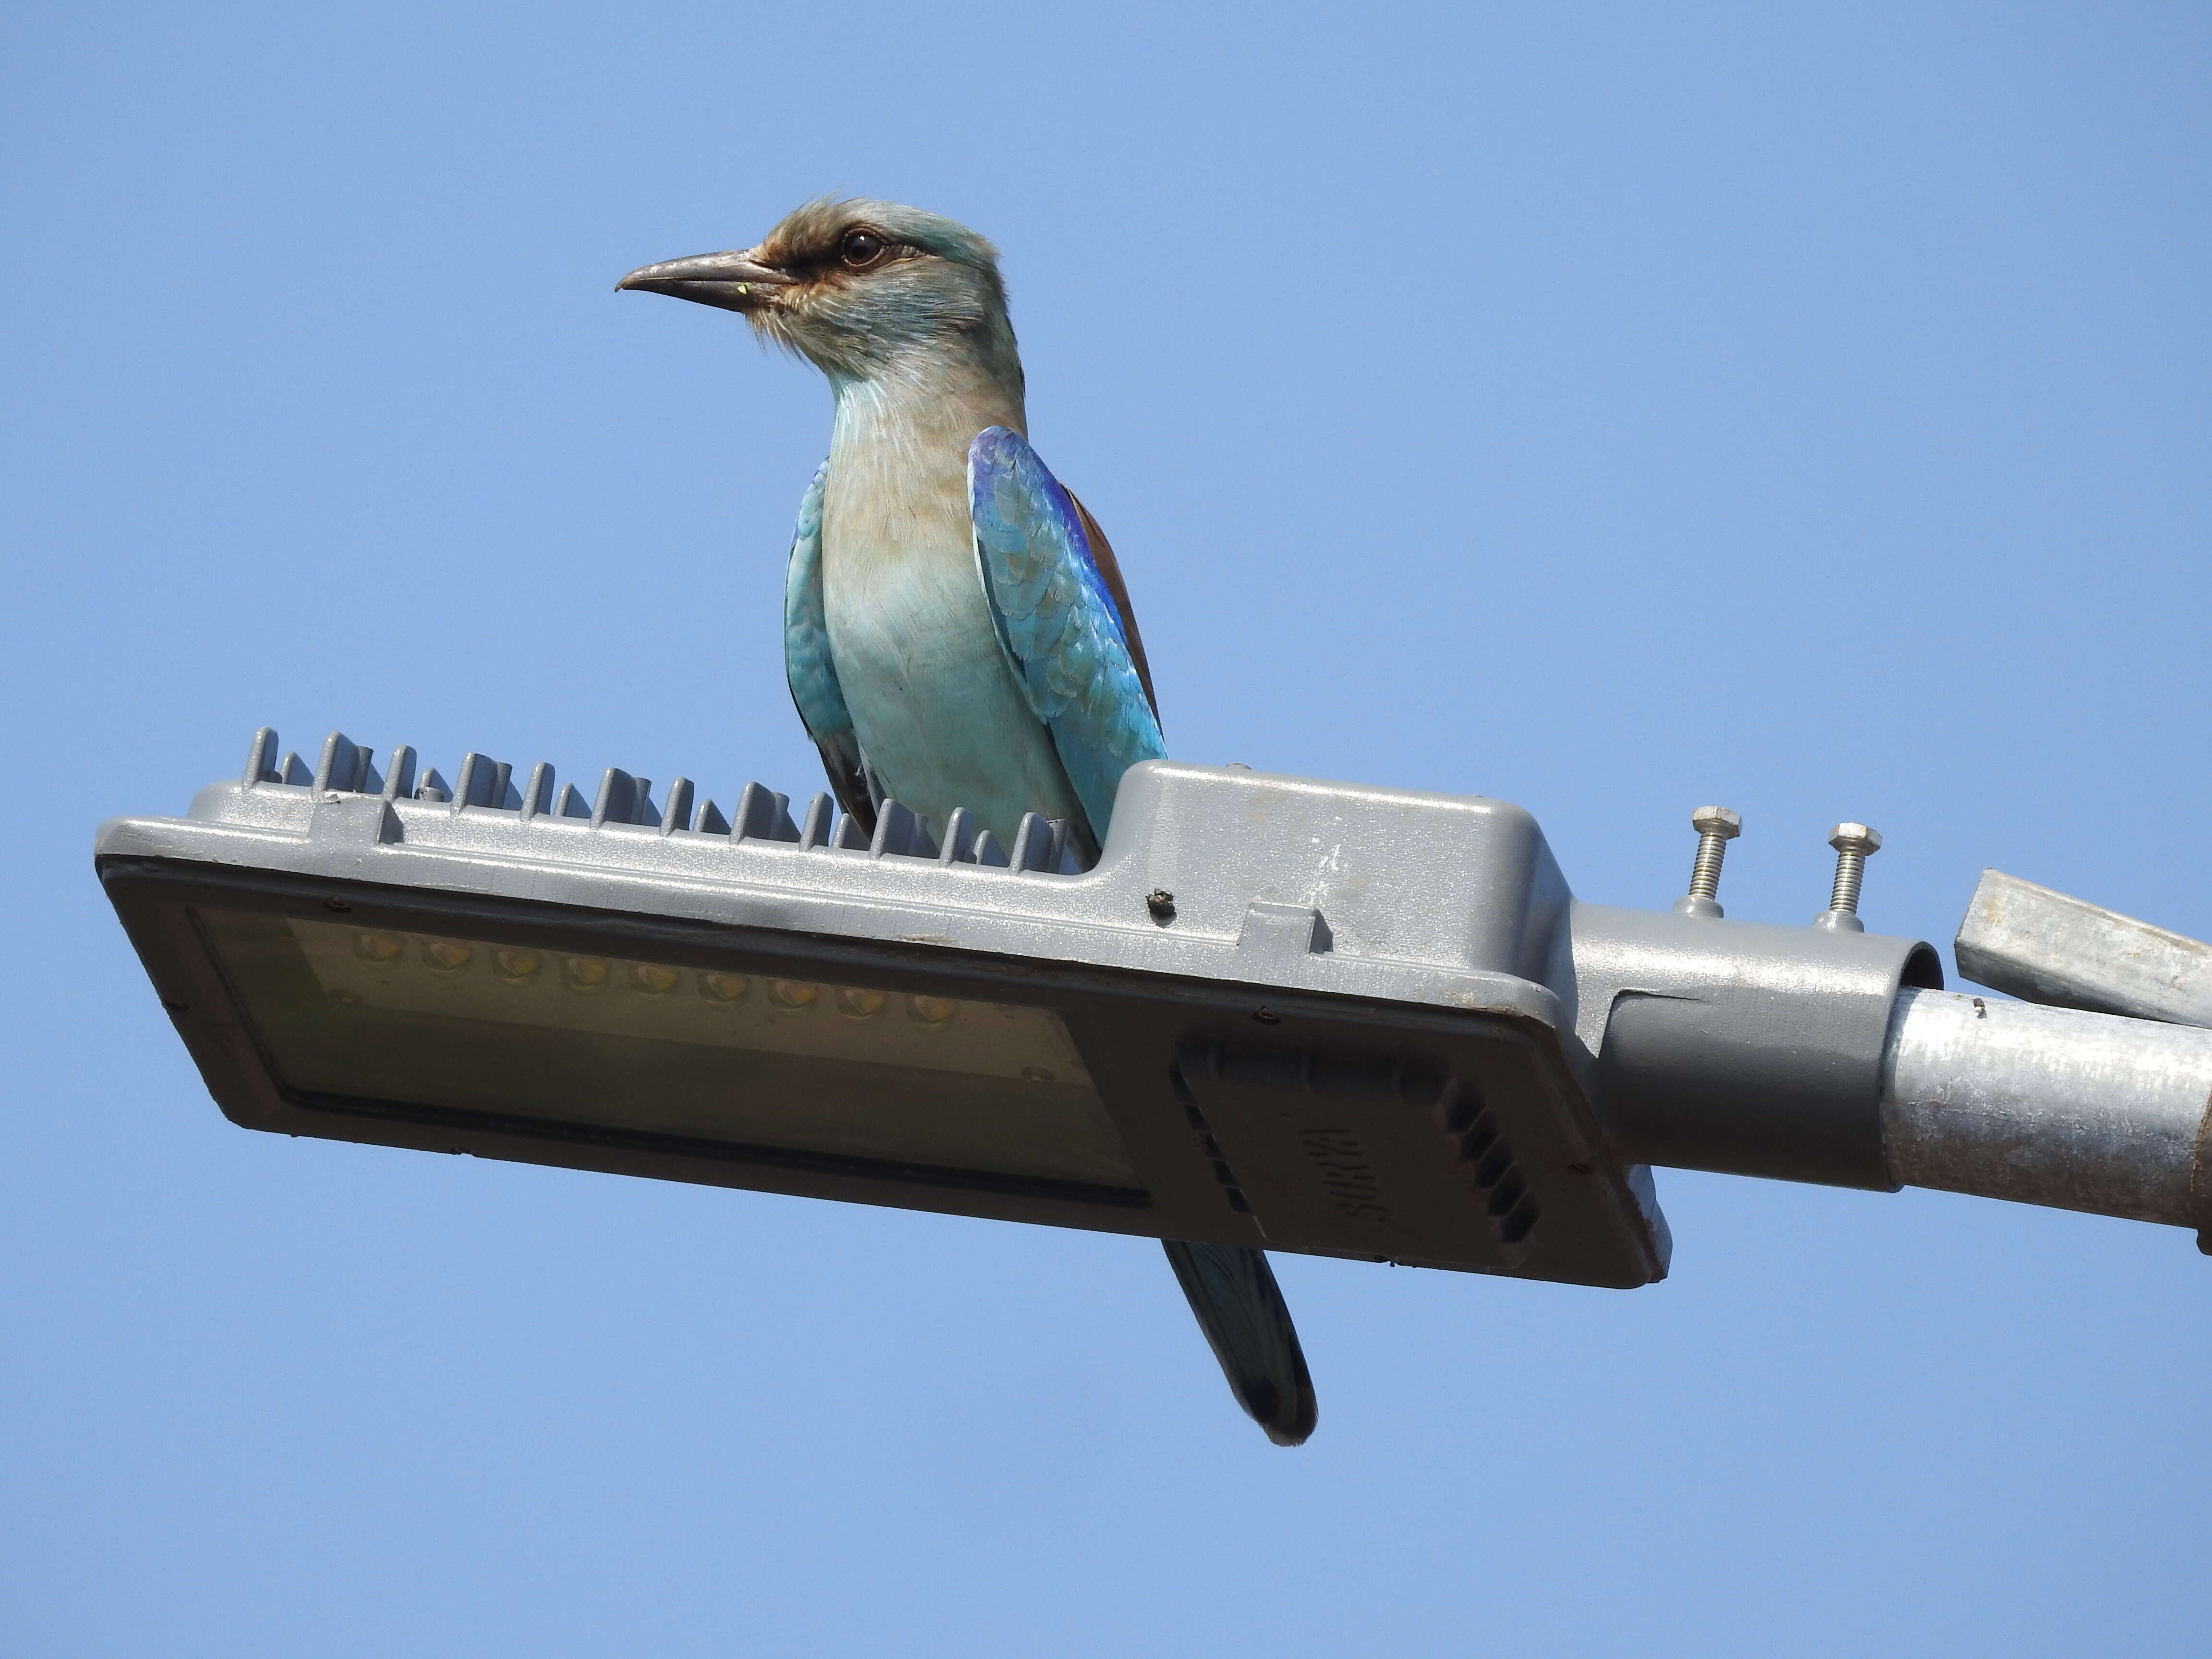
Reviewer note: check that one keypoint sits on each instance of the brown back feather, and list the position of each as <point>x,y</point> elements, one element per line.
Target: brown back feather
<point>1103,551</point>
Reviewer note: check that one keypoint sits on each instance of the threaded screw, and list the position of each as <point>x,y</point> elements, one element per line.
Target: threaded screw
<point>1854,843</point>
<point>1717,827</point>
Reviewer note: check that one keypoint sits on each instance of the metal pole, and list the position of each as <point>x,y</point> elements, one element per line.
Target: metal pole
<point>2052,1106</point>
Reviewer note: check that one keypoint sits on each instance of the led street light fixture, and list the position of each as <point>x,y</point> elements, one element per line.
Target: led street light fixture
<point>1269,1017</point>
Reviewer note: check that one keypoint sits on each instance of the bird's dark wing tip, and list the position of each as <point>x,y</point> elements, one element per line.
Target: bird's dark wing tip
<point>848,777</point>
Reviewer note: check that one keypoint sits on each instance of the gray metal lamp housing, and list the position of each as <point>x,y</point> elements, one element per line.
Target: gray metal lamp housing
<point>1282,1014</point>
<point>1323,1044</point>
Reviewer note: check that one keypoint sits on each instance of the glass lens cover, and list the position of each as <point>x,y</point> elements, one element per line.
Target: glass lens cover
<point>481,1024</point>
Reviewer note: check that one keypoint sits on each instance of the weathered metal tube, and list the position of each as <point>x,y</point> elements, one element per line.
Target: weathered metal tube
<point>2050,1106</point>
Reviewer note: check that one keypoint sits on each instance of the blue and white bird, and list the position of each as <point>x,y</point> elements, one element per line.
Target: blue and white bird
<point>956,632</point>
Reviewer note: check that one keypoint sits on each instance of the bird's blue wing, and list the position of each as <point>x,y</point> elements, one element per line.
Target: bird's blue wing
<point>1058,620</point>
<point>809,668</point>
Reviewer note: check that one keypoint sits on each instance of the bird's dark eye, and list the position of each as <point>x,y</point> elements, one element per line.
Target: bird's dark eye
<point>861,248</point>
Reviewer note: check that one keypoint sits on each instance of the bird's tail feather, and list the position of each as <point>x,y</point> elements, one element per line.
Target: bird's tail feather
<point>1248,1325</point>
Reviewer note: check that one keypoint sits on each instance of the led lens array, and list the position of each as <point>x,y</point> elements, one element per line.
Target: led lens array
<point>590,975</point>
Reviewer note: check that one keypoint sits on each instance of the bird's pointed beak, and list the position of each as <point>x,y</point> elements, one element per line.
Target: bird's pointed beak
<point>735,281</point>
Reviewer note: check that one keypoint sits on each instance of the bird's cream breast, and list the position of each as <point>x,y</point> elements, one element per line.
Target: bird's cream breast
<point>939,715</point>
<point>899,582</point>
<point>898,560</point>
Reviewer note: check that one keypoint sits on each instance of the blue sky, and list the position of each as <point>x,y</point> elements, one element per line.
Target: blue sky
<point>1610,409</point>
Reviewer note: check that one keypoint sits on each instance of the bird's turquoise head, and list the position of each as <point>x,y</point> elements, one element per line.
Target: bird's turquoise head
<point>858,288</point>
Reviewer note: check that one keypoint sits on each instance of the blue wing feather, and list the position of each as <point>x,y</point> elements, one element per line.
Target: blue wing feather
<point>1057,620</point>
<point>810,669</point>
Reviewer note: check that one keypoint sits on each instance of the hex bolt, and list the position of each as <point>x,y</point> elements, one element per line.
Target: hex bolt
<point>1717,827</point>
<point>1854,843</point>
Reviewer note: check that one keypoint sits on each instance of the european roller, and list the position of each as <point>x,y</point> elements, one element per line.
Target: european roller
<point>956,631</point>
